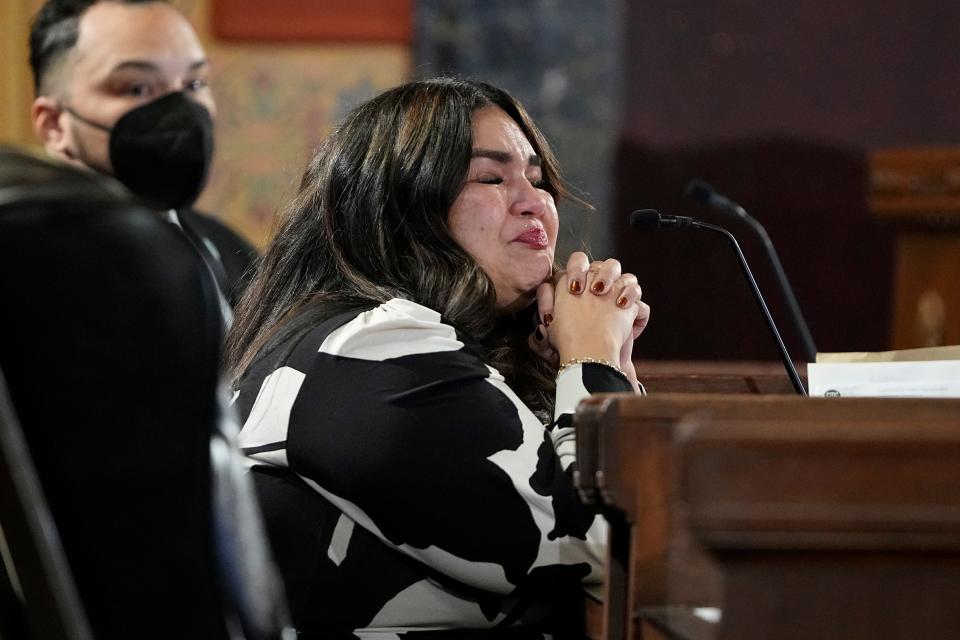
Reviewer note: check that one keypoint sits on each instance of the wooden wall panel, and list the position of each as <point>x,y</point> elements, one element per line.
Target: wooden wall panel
<point>916,191</point>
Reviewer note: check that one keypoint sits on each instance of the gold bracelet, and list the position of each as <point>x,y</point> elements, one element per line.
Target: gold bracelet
<point>574,361</point>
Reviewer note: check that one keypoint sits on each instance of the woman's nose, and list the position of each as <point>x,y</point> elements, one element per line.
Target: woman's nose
<point>528,201</point>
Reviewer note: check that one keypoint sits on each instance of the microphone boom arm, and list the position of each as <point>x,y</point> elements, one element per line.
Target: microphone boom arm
<point>651,220</point>
<point>701,192</point>
<point>800,323</point>
<point>758,297</point>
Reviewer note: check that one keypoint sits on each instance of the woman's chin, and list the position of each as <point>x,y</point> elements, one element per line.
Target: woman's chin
<point>524,291</point>
<point>519,299</point>
<point>516,303</point>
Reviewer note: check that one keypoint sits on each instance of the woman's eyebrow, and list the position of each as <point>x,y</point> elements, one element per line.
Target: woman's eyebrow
<point>502,156</point>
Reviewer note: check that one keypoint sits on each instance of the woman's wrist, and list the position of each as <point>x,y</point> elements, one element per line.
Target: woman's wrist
<point>631,372</point>
<point>572,362</point>
<point>594,350</point>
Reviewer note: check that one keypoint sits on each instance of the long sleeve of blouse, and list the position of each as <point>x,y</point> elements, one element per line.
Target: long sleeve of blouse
<point>397,421</point>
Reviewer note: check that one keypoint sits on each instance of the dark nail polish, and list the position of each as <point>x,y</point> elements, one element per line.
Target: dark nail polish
<point>598,286</point>
<point>575,286</point>
<point>547,319</point>
<point>622,301</point>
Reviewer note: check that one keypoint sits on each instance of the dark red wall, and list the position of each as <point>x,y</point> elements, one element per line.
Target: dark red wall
<point>775,103</point>
<point>859,72</point>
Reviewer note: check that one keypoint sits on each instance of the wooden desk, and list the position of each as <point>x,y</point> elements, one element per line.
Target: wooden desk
<point>798,517</point>
<point>722,376</point>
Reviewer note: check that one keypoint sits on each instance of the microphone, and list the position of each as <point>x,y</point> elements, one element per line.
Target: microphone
<point>651,220</point>
<point>701,192</point>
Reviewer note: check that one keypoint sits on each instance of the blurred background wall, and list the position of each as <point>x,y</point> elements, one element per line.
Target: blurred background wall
<point>777,103</point>
<point>276,100</point>
<point>564,61</point>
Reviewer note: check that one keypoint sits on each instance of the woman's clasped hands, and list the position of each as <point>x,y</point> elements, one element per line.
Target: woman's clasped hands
<point>592,311</point>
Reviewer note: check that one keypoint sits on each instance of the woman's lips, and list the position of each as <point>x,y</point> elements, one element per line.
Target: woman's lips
<point>535,237</point>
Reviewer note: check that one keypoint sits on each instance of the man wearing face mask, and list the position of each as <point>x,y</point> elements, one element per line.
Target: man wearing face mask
<point>122,89</point>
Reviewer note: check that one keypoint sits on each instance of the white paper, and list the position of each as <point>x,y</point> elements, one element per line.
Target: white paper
<point>951,352</point>
<point>921,379</point>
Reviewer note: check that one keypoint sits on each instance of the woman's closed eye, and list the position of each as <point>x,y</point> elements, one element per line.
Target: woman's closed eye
<point>489,179</point>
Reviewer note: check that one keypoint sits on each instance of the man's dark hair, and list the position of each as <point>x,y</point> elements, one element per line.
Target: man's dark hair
<point>55,30</point>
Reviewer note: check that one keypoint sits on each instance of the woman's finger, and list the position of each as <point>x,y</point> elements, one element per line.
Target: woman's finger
<point>577,265</point>
<point>545,303</point>
<point>602,274</point>
<point>643,317</point>
<point>539,343</point>
<point>627,291</point>
<point>625,279</point>
<point>629,299</point>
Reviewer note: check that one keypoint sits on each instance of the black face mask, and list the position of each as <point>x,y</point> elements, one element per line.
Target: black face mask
<point>162,150</point>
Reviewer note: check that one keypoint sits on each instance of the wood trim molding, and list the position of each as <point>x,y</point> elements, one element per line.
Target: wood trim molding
<point>911,182</point>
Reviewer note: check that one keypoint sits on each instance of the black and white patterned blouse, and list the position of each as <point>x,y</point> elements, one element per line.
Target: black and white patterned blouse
<point>407,490</point>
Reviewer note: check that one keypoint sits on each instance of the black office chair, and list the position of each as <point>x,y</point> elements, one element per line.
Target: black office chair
<point>122,503</point>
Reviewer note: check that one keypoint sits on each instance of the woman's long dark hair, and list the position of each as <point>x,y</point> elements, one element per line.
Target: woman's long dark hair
<point>369,223</point>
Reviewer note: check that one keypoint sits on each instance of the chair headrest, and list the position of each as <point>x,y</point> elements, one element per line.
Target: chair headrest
<point>28,178</point>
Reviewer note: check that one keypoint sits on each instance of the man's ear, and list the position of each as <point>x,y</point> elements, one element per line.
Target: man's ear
<point>46,114</point>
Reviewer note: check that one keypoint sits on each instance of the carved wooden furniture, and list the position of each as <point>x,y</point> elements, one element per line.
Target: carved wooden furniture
<point>917,191</point>
<point>797,517</point>
<point>717,376</point>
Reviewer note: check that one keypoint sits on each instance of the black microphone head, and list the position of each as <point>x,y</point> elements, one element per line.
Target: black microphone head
<point>699,191</point>
<point>702,193</point>
<point>645,219</point>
